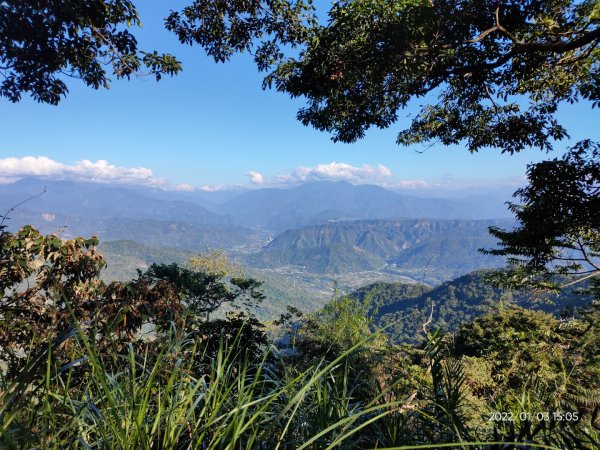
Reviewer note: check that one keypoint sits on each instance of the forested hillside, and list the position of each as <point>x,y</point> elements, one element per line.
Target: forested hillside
<point>406,307</point>
<point>444,248</point>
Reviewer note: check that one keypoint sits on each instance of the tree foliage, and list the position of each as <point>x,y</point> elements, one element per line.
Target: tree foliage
<point>49,287</point>
<point>341,324</point>
<point>554,362</point>
<point>205,292</point>
<point>84,380</point>
<point>498,69</point>
<point>224,28</point>
<point>216,262</point>
<point>42,43</point>
<point>499,74</point>
<point>559,220</point>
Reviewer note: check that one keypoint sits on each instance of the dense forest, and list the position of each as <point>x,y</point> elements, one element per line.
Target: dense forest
<point>402,308</point>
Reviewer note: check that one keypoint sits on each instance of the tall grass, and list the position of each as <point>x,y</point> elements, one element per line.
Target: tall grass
<point>163,401</point>
<point>173,396</point>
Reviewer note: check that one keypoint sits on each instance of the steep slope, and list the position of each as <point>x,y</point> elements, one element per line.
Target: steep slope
<point>349,246</point>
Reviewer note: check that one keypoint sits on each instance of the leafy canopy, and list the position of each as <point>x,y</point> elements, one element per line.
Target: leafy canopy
<point>42,43</point>
<point>559,220</point>
<point>205,292</point>
<point>498,69</point>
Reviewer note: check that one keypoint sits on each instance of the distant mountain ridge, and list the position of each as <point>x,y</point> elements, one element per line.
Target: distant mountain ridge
<point>104,201</point>
<point>159,233</point>
<point>325,227</point>
<point>318,202</point>
<point>271,208</point>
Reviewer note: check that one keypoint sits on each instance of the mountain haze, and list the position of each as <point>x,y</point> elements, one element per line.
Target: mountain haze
<point>158,233</point>
<point>103,201</point>
<point>319,227</point>
<point>317,202</point>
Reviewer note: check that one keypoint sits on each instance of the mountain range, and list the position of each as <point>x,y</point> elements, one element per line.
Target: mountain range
<point>330,228</point>
<point>318,202</point>
<point>401,245</point>
<point>104,201</point>
<point>270,208</point>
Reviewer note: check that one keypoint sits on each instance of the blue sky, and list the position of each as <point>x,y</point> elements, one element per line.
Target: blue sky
<point>213,124</point>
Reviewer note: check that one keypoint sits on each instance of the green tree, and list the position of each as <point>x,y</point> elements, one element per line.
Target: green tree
<point>204,292</point>
<point>42,43</point>
<point>499,69</point>
<point>49,286</point>
<point>559,221</point>
<point>341,324</point>
<point>521,361</point>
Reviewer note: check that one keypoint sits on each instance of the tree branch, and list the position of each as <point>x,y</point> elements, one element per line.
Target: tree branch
<point>4,217</point>
<point>585,255</point>
<point>555,47</point>
<point>561,47</point>
<point>482,35</point>
<point>520,47</point>
<point>504,31</point>
<point>593,274</point>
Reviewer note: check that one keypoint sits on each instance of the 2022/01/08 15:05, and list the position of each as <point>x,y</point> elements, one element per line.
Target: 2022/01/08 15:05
<point>556,416</point>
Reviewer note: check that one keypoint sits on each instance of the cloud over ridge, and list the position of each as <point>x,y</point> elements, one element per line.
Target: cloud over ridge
<point>100,171</point>
<point>255,177</point>
<point>337,171</point>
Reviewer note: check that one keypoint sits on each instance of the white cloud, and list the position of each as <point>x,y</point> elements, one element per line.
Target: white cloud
<point>85,170</point>
<point>215,188</point>
<point>407,184</point>
<point>101,171</point>
<point>185,187</point>
<point>29,166</point>
<point>255,177</point>
<point>12,169</point>
<point>8,180</point>
<point>336,171</point>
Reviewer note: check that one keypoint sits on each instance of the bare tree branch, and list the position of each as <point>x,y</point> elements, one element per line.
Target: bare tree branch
<point>5,216</point>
